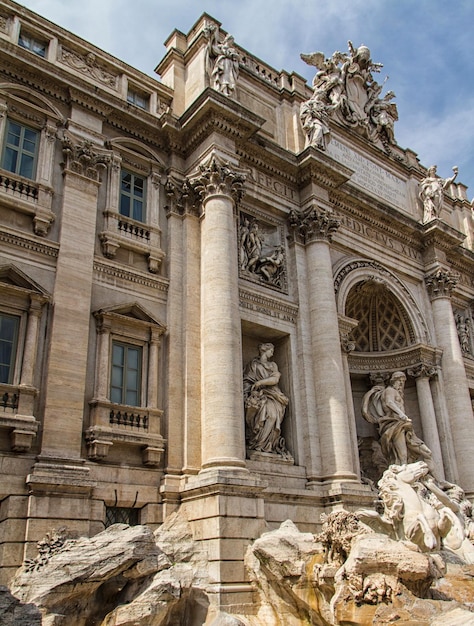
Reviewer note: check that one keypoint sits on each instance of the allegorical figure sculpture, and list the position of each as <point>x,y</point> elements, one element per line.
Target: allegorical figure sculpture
<point>384,407</point>
<point>344,89</point>
<point>224,60</point>
<point>267,266</point>
<point>431,193</point>
<point>463,327</point>
<point>265,403</point>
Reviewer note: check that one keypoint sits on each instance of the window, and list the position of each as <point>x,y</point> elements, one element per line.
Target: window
<point>31,43</point>
<point>9,325</point>
<point>126,374</point>
<point>120,515</point>
<point>138,99</point>
<point>20,150</point>
<point>132,196</point>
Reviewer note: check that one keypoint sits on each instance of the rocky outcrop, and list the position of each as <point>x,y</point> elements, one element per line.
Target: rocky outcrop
<point>348,574</point>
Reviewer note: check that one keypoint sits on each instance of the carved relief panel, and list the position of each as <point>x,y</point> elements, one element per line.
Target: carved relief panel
<point>262,253</point>
<point>464,326</point>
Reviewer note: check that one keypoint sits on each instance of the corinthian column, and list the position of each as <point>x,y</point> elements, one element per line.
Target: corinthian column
<point>223,439</point>
<point>422,374</point>
<point>440,285</point>
<point>315,227</point>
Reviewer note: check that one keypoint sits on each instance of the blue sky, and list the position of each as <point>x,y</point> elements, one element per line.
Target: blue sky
<point>426,47</point>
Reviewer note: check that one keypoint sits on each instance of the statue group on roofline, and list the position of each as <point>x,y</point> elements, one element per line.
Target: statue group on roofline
<point>418,505</point>
<point>345,90</point>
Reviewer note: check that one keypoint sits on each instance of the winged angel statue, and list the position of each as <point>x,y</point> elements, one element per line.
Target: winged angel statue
<point>344,89</point>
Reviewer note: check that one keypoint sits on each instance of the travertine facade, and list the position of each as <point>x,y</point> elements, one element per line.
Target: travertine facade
<point>158,236</point>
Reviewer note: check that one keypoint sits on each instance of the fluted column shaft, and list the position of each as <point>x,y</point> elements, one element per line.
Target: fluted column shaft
<point>316,227</point>
<point>223,436</point>
<point>428,416</point>
<point>458,401</point>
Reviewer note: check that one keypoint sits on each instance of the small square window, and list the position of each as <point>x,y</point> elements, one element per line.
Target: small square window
<point>132,196</point>
<point>125,380</point>
<point>9,325</point>
<point>138,99</point>
<point>20,149</point>
<point>120,515</point>
<point>33,44</point>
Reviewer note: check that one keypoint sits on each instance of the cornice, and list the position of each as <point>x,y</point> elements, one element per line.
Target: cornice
<point>440,235</point>
<point>409,357</point>
<point>315,166</point>
<point>271,306</point>
<point>104,270</point>
<point>211,111</point>
<point>29,242</point>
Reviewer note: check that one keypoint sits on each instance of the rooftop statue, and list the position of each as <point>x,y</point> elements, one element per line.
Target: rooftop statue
<point>224,61</point>
<point>345,89</point>
<point>431,193</point>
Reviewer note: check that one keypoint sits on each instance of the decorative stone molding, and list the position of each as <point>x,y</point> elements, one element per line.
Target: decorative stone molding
<point>395,360</point>
<point>181,197</point>
<point>346,326</point>
<point>423,370</point>
<point>313,224</point>
<point>219,177</point>
<point>87,64</point>
<point>83,159</point>
<point>441,283</point>
<point>258,303</point>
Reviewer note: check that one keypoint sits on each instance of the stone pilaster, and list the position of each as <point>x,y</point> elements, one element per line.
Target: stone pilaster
<point>440,284</point>
<point>219,187</point>
<point>422,375</point>
<point>65,387</point>
<point>314,227</point>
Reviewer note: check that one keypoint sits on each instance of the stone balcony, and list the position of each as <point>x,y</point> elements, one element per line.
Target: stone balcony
<point>29,197</point>
<point>125,232</point>
<point>17,415</point>
<point>134,426</point>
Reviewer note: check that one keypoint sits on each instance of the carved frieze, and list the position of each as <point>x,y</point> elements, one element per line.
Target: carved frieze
<point>271,307</point>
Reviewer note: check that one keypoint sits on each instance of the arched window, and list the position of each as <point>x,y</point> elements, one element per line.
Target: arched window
<point>383,322</point>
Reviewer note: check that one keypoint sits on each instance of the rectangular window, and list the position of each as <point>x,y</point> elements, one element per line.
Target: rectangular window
<point>34,45</point>
<point>132,196</point>
<point>120,515</point>
<point>138,99</point>
<point>125,380</point>
<point>20,150</point>
<point>9,325</point>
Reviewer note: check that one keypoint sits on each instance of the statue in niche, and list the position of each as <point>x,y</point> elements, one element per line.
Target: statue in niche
<point>265,404</point>
<point>431,193</point>
<point>225,61</point>
<point>384,407</point>
<point>463,326</point>
<point>345,89</point>
<point>266,266</point>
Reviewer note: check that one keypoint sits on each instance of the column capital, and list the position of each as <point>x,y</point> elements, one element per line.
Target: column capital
<point>181,197</point>
<point>313,223</point>
<point>440,283</point>
<point>219,177</point>
<point>423,370</point>
<point>83,158</point>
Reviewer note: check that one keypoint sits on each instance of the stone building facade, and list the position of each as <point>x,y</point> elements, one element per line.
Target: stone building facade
<point>167,245</point>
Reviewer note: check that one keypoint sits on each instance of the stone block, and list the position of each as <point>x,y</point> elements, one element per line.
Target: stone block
<point>11,554</point>
<point>226,572</point>
<point>226,550</point>
<point>61,508</point>
<point>13,506</point>
<point>13,529</point>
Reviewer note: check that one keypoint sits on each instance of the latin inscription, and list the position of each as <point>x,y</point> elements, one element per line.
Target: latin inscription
<point>382,238</point>
<point>274,185</point>
<point>369,176</point>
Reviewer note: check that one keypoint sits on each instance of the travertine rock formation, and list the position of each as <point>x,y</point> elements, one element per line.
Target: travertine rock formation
<point>348,574</point>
